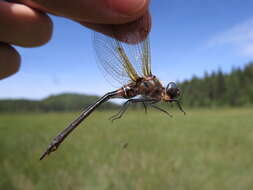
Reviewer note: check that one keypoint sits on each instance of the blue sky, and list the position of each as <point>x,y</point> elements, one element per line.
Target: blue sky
<point>187,38</point>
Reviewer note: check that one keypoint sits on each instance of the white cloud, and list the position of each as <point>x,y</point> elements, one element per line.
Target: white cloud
<point>247,49</point>
<point>239,36</point>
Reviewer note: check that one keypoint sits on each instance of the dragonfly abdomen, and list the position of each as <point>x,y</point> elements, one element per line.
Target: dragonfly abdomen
<point>129,91</point>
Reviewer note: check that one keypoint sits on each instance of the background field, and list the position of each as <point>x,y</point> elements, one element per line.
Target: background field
<point>207,150</point>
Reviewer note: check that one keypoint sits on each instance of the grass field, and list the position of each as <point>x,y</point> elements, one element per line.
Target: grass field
<point>205,150</point>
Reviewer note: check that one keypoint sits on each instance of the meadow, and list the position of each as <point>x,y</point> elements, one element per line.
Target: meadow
<point>204,150</point>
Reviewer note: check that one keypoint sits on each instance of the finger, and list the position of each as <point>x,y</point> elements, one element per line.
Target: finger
<point>132,32</point>
<point>23,26</point>
<point>9,60</point>
<point>94,11</point>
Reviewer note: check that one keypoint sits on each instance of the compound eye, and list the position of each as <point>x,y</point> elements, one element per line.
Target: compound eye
<point>172,90</point>
<point>171,85</point>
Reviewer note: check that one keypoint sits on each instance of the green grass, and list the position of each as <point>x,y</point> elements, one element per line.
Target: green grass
<point>205,150</point>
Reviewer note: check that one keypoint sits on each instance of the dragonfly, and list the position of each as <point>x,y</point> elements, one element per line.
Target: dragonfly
<point>127,61</point>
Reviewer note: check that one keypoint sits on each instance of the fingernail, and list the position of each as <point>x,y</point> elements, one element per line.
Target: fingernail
<point>126,7</point>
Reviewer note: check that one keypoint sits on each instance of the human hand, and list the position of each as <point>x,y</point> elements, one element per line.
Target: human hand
<point>26,24</point>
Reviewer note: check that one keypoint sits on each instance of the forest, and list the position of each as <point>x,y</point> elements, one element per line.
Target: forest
<point>216,89</point>
<point>219,89</point>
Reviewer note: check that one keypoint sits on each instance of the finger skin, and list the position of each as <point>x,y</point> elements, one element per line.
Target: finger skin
<point>23,26</point>
<point>132,32</point>
<point>93,11</point>
<point>100,14</point>
<point>9,60</point>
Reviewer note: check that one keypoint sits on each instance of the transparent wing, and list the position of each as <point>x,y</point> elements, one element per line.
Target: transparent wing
<point>146,58</point>
<point>113,59</point>
<point>125,60</point>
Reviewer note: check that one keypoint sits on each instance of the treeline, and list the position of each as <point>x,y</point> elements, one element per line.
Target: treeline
<point>220,89</point>
<point>62,102</point>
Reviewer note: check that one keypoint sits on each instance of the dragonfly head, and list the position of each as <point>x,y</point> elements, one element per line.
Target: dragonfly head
<point>171,91</point>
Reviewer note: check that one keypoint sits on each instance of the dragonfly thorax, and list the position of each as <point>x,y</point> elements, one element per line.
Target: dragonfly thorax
<point>149,87</point>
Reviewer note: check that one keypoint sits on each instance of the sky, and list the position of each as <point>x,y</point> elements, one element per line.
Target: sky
<point>188,38</point>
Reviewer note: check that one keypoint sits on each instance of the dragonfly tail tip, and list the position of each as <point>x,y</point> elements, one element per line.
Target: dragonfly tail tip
<point>43,155</point>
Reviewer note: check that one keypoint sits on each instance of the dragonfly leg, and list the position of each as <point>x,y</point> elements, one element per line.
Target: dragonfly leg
<point>121,111</point>
<point>160,109</point>
<point>126,105</point>
<point>145,107</point>
<point>179,105</point>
